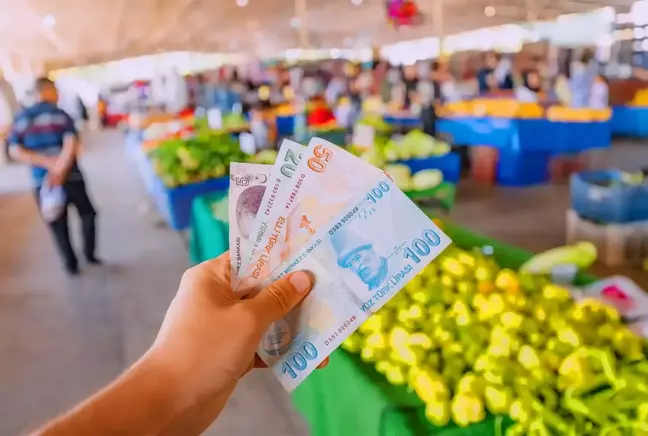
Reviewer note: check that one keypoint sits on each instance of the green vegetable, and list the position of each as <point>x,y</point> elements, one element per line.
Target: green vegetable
<point>427,179</point>
<point>401,174</point>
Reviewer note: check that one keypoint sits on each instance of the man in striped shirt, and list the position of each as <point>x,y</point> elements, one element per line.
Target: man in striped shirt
<point>44,137</point>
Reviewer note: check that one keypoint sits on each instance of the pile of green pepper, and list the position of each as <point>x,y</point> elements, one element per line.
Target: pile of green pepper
<point>470,338</point>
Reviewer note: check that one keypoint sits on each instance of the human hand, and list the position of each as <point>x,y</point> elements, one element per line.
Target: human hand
<point>209,336</point>
<point>56,176</point>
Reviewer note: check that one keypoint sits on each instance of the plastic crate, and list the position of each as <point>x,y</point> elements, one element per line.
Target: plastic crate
<point>617,244</point>
<point>174,204</point>
<point>449,165</point>
<point>285,125</point>
<point>619,203</point>
<point>522,168</point>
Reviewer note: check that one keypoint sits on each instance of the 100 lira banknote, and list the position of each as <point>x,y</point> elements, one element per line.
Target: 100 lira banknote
<point>247,188</point>
<point>360,258</point>
<point>325,180</point>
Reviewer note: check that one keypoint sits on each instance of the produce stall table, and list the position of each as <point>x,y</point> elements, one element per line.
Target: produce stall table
<point>533,135</point>
<point>350,397</point>
<point>630,121</point>
<point>173,204</point>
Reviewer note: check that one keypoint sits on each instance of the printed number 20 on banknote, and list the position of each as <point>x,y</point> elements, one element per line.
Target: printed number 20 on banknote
<point>360,259</point>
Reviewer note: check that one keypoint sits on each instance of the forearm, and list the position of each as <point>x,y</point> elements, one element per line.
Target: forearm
<point>143,401</point>
<point>68,154</point>
<point>29,157</point>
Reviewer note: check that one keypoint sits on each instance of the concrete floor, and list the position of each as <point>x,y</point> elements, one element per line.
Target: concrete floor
<point>61,338</point>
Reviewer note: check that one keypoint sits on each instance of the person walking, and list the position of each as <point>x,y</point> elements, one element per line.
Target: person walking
<point>44,137</point>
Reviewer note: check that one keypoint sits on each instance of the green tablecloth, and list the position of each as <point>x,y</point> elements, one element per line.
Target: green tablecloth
<point>349,397</point>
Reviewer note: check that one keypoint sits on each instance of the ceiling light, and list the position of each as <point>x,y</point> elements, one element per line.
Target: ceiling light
<point>295,22</point>
<point>489,11</point>
<point>356,2</point>
<point>49,21</point>
<point>241,3</point>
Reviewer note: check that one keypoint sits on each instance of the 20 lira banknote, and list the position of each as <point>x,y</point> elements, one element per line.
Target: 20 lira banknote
<point>247,188</point>
<point>280,175</point>
<point>360,259</point>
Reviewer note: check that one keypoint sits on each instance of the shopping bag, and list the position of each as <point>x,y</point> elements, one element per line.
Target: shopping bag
<point>52,202</point>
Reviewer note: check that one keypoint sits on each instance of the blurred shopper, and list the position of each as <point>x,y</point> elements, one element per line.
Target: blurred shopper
<point>582,76</point>
<point>9,106</point>
<point>529,90</point>
<point>495,74</point>
<point>599,94</point>
<point>44,137</point>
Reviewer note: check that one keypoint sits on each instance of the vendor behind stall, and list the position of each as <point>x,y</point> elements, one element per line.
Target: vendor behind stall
<point>582,76</point>
<point>495,74</point>
<point>529,90</point>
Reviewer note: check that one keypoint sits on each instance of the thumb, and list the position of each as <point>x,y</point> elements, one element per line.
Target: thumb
<point>278,299</point>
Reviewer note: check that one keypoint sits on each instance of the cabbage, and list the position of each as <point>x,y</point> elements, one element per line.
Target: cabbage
<point>401,174</point>
<point>374,157</point>
<point>427,179</point>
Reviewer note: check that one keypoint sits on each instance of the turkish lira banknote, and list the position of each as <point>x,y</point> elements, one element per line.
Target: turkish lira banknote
<point>325,180</point>
<point>247,187</point>
<point>360,258</point>
<point>281,173</point>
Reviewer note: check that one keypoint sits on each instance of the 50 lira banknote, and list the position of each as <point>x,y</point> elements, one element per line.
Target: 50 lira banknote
<point>360,257</point>
<point>325,180</point>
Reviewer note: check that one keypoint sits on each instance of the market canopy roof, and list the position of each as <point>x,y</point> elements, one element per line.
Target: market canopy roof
<point>76,32</point>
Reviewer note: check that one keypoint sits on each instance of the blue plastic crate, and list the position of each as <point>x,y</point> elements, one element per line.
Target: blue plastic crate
<point>449,165</point>
<point>409,121</point>
<point>522,168</point>
<point>285,125</point>
<point>618,203</point>
<point>174,204</point>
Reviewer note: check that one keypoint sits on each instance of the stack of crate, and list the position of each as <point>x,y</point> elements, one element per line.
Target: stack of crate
<point>611,215</point>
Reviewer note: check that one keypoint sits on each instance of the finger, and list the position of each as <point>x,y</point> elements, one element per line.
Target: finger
<point>278,299</point>
<point>218,267</point>
<point>324,363</point>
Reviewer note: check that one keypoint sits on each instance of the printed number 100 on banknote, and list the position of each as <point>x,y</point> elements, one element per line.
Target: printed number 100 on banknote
<point>360,258</point>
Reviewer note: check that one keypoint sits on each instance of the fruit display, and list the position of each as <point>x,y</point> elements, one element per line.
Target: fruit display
<point>584,115</point>
<point>420,181</point>
<point>415,145</point>
<point>640,98</point>
<point>471,339</point>
<point>204,156</point>
<point>505,108</point>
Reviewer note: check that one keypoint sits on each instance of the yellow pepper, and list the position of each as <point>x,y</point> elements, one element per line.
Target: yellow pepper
<point>467,409</point>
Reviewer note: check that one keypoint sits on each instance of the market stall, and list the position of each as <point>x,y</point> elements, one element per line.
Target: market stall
<point>538,369</point>
<point>185,158</point>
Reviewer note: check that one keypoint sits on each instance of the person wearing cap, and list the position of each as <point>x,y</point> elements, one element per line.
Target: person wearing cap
<point>358,255</point>
<point>44,137</point>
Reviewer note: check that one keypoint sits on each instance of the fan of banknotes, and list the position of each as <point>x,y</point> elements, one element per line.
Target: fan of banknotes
<point>323,210</point>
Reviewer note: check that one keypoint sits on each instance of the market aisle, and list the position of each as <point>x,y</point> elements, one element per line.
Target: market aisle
<point>63,338</point>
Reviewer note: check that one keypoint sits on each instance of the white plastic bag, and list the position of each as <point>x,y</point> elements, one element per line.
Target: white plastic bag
<point>52,202</point>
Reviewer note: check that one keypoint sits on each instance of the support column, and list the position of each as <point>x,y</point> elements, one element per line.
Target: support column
<point>300,13</point>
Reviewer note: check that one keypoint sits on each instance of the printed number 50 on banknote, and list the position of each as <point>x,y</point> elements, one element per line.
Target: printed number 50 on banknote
<point>360,259</point>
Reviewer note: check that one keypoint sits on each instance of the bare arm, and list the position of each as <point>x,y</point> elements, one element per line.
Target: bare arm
<point>68,154</point>
<point>21,154</point>
<point>145,400</point>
